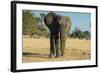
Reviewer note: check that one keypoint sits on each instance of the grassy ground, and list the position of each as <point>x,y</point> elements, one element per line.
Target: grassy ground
<point>37,50</point>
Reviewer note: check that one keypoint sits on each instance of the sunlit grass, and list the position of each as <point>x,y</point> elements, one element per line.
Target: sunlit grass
<point>37,50</point>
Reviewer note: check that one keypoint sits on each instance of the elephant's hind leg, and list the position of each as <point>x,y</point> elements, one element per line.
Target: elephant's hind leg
<point>62,43</point>
<point>57,47</point>
<point>52,46</point>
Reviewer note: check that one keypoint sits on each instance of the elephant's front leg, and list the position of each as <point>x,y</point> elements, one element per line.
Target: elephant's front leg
<point>57,43</point>
<point>52,47</point>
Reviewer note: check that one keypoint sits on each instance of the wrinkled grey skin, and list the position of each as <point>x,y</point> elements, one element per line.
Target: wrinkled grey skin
<point>59,26</point>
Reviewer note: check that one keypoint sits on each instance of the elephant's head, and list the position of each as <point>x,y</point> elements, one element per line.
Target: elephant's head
<point>53,20</point>
<point>49,18</point>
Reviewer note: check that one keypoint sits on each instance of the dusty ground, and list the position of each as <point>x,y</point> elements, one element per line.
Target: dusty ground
<point>37,50</point>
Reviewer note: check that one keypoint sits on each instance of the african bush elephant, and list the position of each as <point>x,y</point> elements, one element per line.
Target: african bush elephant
<point>59,26</point>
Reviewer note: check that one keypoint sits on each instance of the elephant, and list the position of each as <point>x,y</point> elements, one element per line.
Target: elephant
<point>59,27</point>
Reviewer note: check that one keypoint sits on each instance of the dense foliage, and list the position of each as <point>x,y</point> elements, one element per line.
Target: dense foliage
<point>33,25</point>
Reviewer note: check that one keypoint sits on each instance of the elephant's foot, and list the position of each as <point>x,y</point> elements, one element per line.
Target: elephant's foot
<point>56,56</point>
<point>50,56</point>
<point>62,55</point>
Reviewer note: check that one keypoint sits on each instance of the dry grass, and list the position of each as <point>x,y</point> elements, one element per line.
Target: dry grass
<point>37,50</point>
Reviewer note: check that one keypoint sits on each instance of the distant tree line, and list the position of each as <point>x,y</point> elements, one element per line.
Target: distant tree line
<point>77,33</point>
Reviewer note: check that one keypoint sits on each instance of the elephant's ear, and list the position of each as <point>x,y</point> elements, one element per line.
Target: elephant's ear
<point>69,23</point>
<point>45,21</point>
<point>49,18</point>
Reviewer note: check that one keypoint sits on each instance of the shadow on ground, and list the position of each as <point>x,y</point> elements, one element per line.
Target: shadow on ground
<point>37,55</point>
